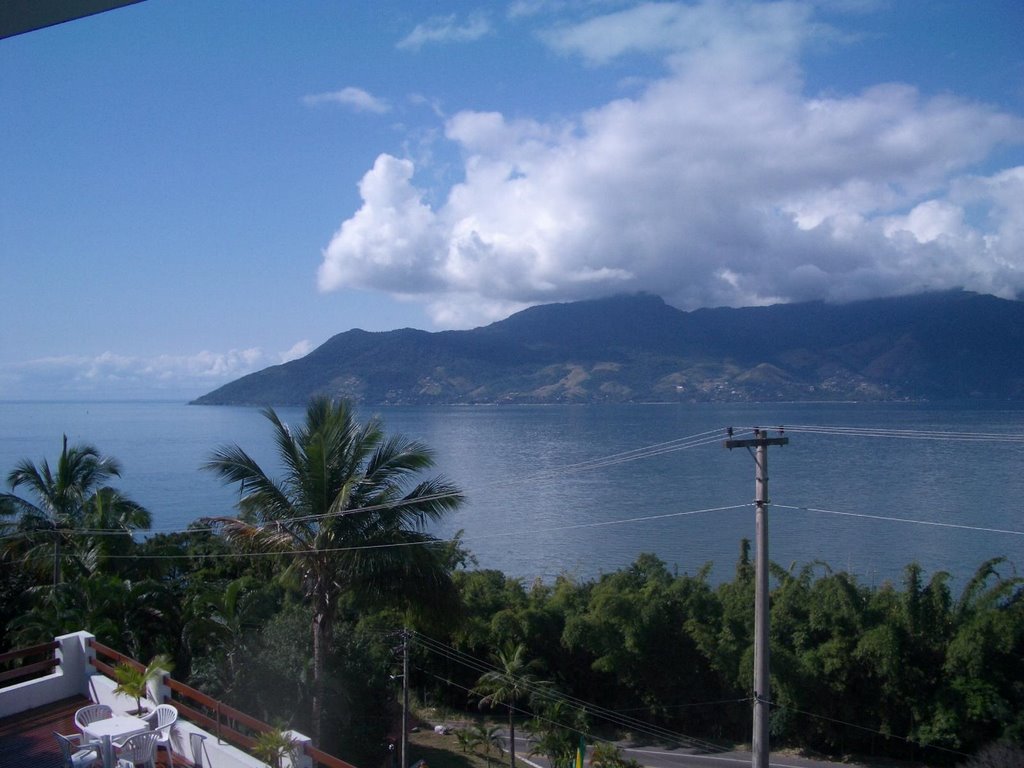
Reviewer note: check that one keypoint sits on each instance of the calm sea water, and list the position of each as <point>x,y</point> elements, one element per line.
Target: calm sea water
<point>532,513</point>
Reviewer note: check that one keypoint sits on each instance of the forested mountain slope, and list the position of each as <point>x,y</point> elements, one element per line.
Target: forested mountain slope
<point>637,348</point>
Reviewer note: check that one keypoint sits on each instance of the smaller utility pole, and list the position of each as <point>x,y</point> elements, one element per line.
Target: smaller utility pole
<point>405,696</point>
<point>762,692</point>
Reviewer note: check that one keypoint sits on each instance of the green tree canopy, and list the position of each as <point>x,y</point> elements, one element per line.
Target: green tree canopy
<point>348,516</point>
<point>68,500</point>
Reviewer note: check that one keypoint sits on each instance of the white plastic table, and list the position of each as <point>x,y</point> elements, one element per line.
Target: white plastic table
<point>117,727</point>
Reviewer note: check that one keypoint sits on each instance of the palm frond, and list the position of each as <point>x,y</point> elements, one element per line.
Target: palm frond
<point>288,449</point>
<point>273,536</point>
<point>260,494</point>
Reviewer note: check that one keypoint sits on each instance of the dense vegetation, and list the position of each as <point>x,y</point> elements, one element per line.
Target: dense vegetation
<point>908,670</point>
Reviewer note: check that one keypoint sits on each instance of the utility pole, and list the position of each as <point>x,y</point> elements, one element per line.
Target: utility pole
<point>405,696</point>
<point>758,447</point>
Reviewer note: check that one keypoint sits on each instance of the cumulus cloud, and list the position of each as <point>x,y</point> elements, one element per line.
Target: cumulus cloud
<point>722,183</point>
<point>111,375</point>
<point>446,29</point>
<point>354,98</point>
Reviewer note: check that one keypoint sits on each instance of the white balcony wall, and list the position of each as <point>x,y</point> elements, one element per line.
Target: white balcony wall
<point>77,677</point>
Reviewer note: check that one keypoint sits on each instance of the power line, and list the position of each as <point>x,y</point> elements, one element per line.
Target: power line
<point>700,439</point>
<point>904,739</point>
<point>905,434</point>
<point>668,735</point>
<point>543,692</point>
<point>540,531</point>
<point>434,542</point>
<point>910,521</point>
<point>743,700</point>
<point>437,647</point>
<point>657,449</point>
<point>709,437</point>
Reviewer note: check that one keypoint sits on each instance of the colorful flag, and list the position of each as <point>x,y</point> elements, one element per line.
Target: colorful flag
<point>580,751</point>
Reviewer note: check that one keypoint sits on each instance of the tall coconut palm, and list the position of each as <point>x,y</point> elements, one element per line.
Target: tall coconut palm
<point>63,498</point>
<point>348,516</point>
<point>510,682</point>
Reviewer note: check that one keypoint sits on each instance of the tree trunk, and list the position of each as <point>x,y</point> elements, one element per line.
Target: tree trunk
<point>56,559</point>
<point>320,642</point>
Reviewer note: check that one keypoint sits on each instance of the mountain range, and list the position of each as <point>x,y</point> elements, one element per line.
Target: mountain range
<point>637,348</point>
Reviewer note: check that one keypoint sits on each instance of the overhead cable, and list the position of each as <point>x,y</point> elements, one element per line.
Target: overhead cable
<point>546,692</point>
<point>887,518</point>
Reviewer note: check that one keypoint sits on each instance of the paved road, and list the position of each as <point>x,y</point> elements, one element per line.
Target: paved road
<point>652,757</point>
<point>658,757</point>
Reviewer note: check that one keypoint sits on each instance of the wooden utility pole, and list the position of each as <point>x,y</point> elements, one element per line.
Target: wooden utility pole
<point>405,697</point>
<point>758,447</point>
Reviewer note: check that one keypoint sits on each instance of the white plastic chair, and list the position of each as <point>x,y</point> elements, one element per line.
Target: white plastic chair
<point>139,749</point>
<point>198,749</point>
<point>162,720</point>
<point>75,753</point>
<point>91,714</point>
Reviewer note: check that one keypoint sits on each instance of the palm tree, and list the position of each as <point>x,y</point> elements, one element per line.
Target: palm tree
<point>273,746</point>
<point>220,623</point>
<point>605,754</point>
<point>557,728</point>
<point>63,500</point>
<point>133,680</point>
<point>114,518</point>
<point>347,516</point>
<point>511,681</point>
<point>486,738</point>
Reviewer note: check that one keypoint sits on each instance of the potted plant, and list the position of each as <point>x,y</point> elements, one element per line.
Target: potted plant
<point>134,682</point>
<point>272,746</point>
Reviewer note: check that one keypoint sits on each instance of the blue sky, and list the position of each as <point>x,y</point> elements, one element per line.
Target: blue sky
<point>191,190</point>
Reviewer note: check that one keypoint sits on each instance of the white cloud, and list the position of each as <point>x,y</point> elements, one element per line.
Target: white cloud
<point>446,29</point>
<point>354,98</point>
<point>391,240</point>
<point>722,183</point>
<point>110,375</point>
<point>298,349</point>
<point>697,30</point>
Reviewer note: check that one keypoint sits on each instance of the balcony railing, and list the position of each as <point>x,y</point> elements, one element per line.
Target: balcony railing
<point>203,714</point>
<point>17,666</point>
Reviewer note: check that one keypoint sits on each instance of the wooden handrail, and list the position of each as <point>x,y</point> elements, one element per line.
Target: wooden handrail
<point>219,711</point>
<point>247,720</point>
<point>28,669</point>
<point>20,653</point>
<point>99,666</point>
<point>195,716</point>
<point>192,693</point>
<point>225,710</point>
<point>222,712</point>
<point>110,653</point>
<point>23,670</point>
<point>325,759</point>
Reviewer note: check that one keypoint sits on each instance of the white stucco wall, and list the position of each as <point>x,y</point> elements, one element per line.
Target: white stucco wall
<point>68,679</point>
